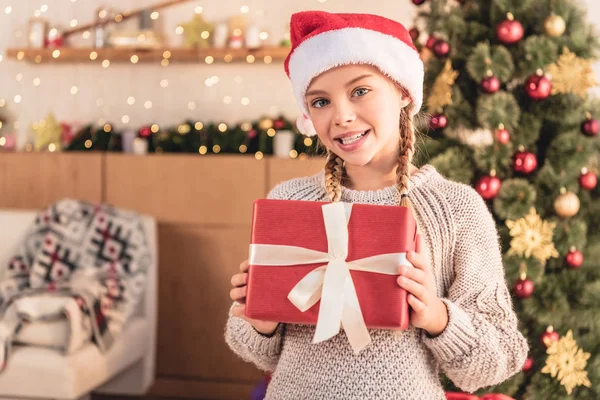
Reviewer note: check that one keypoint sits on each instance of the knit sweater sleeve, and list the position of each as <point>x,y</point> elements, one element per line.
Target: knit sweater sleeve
<point>481,345</point>
<point>261,350</point>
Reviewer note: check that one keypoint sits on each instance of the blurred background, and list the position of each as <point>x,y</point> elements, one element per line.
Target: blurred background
<point>182,111</point>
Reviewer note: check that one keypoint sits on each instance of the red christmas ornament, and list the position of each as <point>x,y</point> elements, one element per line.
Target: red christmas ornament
<point>574,258</point>
<point>587,180</point>
<point>414,34</point>
<point>528,364</point>
<point>509,31</point>
<point>441,48</point>
<point>538,86</point>
<point>418,2</point>
<point>525,162</point>
<point>438,121</point>
<point>590,126</point>
<point>550,336</point>
<point>491,84</point>
<point>502,135</point>
<point>278,124</point>
<point>251,133</point>
<point>145,131</point>
<point>524,288</point>
<point>431,41</point>
<point>488,186</point>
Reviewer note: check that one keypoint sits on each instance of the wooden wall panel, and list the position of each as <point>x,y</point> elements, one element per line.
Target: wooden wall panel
<point>282,169</point>
<point>34,180</point>
<point>187,188</point>
<point>196,265</point>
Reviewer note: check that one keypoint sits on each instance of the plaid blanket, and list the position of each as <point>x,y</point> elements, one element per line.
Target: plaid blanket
<point>82,262</point>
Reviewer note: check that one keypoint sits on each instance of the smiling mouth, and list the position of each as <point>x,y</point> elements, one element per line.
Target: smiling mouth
<point>352,139</point>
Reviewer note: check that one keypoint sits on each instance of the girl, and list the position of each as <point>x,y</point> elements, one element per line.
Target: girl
<point>358,79</point>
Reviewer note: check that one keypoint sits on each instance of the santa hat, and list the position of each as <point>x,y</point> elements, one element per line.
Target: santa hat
<point>322,41</point>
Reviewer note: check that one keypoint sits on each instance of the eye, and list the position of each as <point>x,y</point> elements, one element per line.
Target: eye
<point>319,103</point>
<point>361,92</point>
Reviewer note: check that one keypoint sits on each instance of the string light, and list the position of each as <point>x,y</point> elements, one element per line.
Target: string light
<point>164,83</point>
<point>167,54</point>
<point>244,9</point>
<point>88,144</point>
<point>8,10</point>
<point>134,59</point>
<point>238,79</point>
<point>19,77</point>
<point>74,90</point>
<point>268,59</point>
<point>2,103</point>
<point>246,126</point>
<point>202,150</point>
<point>228,58</point>
<point>183,129</point>
<point>227,99</point>
<point>125,119</point>
<point>205,34</point>
<point>131,100</point>
<point>37,13</point>
<point>209,59</point>
<point>56,53</point>
<point>118,18</point>
<point>179,30</point>
<point>44,8</point>
<point>308,142</point>
<point>18,98</point>
<point>99,102</point>
<point>2,141</point>
<point>164,62</point>
<point>102,14</point>
<point>93,55</point>
<point>20,55</point>
<point>105,64</point>
<point>293,153</point>
<point>38,59</point>
<point>271,132</point>
<point>86,35</point>
<point>250,58</point>
<point>1,58</point>
<point>154,15</point>
<point>263,35</point>
<point>154,128</point>
<point>73,23</point>
<point>192,105</point>
<point>148,104</point>
<point>243,148</point>
<point>198,126</point>
<point>107,128</point>
<point>245,101</point>
<point>216,149</point>
<point>302,156</point>
<point>198,10</point>
<point>258,155</point>
<point>52,147</point>
<point>222,127</point>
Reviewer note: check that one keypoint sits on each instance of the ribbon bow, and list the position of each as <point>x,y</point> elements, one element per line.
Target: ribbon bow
<point>331,283</point>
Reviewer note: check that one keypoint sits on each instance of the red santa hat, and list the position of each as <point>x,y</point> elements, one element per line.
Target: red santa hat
<point>322,41</point>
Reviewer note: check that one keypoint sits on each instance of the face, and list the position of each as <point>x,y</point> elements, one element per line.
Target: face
<point>355,110</point>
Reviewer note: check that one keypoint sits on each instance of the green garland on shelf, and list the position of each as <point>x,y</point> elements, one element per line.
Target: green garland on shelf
<point>255,138</point>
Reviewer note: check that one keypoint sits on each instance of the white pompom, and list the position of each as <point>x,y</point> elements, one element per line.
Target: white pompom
<point>305,126</point>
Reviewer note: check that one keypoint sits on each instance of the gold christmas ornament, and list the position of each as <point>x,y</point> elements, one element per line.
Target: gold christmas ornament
<point>265,124</point>
<point>566,204</point>
<point>555,25</point>
<point>441,92</point>
<point>532,237</point>
<point>567,362</point>
<point>426,55</point>
<point>571,74</point>
<point>47,134</point>
<point>197,32</point>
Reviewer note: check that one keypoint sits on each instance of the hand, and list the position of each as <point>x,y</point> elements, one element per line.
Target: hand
<point>428,311</point>
<point>238,293</point>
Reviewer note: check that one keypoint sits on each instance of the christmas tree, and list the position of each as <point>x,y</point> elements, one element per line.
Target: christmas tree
<point>509,113</point>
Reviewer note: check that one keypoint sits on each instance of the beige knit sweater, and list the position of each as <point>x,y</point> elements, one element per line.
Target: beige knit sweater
<point>480,346</point>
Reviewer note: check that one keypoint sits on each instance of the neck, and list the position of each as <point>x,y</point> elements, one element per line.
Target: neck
<point>373,177</point>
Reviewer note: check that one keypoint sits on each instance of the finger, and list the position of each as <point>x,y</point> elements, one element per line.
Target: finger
<point>415,288</point>
<point>418,260</point>
<point>239,311</point>
<point>415,274</point>
<point>244,266</point>
<point>416,304</point>
<point>239,280</point>
<point>238,293</point>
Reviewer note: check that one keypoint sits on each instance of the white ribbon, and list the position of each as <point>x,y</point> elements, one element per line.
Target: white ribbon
<point>331,283</point>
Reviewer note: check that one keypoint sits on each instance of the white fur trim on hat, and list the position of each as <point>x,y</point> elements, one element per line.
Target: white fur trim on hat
<point>334,48</point>
<point>305,126</point>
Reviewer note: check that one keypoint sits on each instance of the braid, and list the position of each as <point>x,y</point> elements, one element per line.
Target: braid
<point>405,155</point>
<point>334,171</point>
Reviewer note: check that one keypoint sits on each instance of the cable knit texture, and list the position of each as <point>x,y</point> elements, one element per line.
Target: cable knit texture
<point>480,346</point>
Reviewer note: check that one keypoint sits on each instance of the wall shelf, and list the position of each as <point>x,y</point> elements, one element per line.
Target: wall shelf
<point>128,55</point>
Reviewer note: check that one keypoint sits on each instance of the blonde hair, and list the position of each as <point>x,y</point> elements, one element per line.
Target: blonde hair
<point>334,166</point>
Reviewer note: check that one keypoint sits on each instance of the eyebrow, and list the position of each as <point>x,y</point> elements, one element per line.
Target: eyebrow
<point>313,92</point>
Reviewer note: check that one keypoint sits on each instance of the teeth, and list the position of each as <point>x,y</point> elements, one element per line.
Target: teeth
<point>352,139</point>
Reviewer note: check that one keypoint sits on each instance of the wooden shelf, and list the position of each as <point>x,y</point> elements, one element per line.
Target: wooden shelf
<point>124,55</point>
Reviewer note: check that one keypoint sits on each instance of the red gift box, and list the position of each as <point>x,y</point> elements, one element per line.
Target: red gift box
<point>372,230</point>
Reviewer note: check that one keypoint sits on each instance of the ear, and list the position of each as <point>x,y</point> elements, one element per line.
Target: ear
<point>404,101</point>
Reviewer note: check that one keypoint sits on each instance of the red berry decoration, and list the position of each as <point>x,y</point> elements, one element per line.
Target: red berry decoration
<point>590,126</point>
<point>525,162</point>
<point>509,31</point>
<point>438,121</point>
<point>145,131</point>
<point>278,124</point>
<point>491,84</point>
<point>488,186</point>
<point>501,135</point>
<point>587,180</point>
<point>418,2</point>
<point>414,34</point>
<point>528,364</point>
<point>431,41</point>
<point>523,288</point>
<point>574,258</point>
<point>538,86</point>
<point>441,48</point>
<point>550,336</point>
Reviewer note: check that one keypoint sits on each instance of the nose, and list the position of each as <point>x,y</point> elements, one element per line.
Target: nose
<point>344,115</point>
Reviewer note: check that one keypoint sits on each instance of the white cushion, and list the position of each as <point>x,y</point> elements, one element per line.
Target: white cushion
<point>53,333</point>
<point>41,372</point>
